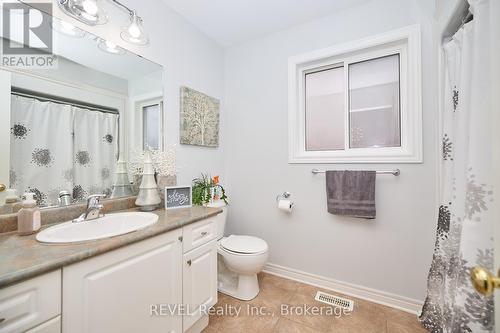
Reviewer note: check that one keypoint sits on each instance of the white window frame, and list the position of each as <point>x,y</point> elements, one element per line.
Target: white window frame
<point>406,43</point>
<point>140,105</point>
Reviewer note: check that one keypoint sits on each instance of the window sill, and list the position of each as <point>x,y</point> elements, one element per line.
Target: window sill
<point>363,156</point>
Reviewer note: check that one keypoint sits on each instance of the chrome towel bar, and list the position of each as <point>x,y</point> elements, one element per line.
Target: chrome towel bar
<point>395,172</point>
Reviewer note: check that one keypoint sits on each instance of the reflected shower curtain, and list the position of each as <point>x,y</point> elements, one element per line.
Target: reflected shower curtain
<point>465,223</point>
<point>41,146</point>
<point>57,147</point>
<point>96,149</point>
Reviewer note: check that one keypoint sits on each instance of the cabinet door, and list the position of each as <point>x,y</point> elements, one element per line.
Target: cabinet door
<point>199,282</point>
<point>121,291</point>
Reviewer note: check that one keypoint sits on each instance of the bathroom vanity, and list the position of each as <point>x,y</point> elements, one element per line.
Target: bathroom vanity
<point>158,279</point>
<point>74,131</point>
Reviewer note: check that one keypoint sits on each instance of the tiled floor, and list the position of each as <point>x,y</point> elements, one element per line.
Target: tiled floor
<point>367,317</point>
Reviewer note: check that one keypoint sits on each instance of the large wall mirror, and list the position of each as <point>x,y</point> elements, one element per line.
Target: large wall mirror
<point>63,130</point>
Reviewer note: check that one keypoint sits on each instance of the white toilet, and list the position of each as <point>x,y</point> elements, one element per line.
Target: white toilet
<point>240,259</point>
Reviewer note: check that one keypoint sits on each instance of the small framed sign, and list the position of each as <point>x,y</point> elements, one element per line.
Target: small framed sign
<point>178,197</point>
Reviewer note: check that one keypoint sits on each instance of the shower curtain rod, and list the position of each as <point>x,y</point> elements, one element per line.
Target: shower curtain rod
<point>61,100</point>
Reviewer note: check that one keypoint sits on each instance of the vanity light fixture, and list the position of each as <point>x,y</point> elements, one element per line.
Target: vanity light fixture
<point>110,47</point>
<point>67,28</point>
<point>134,33</point>
<point>86,11</point>
<point>91,13</point>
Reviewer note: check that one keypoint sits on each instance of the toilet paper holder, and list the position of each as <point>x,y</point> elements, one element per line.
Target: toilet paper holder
<point>284,195</point>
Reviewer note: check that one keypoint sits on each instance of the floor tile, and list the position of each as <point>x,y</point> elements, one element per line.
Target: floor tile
<point>288,326</point>
<point>305,310</point>
<point>367,317</point>
<point>268,281</point>
<point>401,321</point>
<point>398,327</point>
<point>247,324</point>
<point>271,299</point>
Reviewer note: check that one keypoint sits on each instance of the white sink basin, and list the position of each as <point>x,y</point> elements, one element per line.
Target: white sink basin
<point>104,227</point>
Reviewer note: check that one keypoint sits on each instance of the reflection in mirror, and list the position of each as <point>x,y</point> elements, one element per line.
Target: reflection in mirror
<point>70,124</point>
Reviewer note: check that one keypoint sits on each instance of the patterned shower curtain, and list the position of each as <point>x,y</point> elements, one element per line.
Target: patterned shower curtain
<point>57,147</point>
<point>40,157</point>
<point>95,149</point>
<point>465,223</point>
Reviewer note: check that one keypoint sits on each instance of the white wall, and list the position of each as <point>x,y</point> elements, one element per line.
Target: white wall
<point>188,57</point>
<point>391,253</point>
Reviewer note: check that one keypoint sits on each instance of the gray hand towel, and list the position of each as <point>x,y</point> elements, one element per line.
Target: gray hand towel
<point>351,193</point>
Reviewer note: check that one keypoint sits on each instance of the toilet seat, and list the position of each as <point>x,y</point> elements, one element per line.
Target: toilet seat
<point>243,245</point>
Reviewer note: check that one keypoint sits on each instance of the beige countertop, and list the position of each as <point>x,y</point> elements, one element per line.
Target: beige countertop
<point>23,257</point>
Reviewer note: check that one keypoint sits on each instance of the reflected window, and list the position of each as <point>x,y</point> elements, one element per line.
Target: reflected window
<point>152,125</point>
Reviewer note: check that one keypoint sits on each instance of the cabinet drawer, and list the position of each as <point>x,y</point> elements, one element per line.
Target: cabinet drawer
<point>199,233</point>
<point>51,326</point>
<point>30,303</point>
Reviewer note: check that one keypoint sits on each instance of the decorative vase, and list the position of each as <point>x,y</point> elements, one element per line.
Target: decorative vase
<point>148,198</point>
<point>121,187</point>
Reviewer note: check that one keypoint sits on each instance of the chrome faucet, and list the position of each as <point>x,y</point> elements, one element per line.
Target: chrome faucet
<point>93,210</point>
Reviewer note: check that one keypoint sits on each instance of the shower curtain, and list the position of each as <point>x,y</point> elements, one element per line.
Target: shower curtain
<point>95,151</point>
<point>57,147</point>
<point>40,157</point>
<point>465,223</point>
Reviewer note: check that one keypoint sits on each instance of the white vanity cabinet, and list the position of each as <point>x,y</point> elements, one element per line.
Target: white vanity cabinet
<point>164,284</point>
<point>28,304</point>
<point>199,282</point>
<point>117,292</point>
<point>199,272</point>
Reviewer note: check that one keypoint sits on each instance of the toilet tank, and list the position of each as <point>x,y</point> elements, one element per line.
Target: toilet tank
<point>221,218</point>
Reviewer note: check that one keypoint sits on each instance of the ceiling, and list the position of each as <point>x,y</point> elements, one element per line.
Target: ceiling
<point>231,22</point>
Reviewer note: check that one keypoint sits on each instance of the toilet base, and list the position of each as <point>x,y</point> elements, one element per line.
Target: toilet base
<point>246,288</point>
<point>240,286</point>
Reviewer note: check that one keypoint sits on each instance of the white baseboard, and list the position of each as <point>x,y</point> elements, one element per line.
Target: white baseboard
<point>376,296</point>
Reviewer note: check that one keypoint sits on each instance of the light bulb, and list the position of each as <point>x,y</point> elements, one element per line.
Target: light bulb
<point>134,30</point>
<point>110,47</point>
<point>90,7</point>
<point>134,33</point>
<point>67,28</point>
<point>86,11</point>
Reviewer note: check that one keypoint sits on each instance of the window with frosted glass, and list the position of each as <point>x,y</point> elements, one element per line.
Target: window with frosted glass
<point>325,109</point>
<point>374,103</point>
<point>151,124</point>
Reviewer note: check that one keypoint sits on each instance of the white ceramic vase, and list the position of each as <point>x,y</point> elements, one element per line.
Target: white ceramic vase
<point>148,198</point>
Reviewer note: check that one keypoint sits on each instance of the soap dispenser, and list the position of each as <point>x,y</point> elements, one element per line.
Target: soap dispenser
<point>28,217</point>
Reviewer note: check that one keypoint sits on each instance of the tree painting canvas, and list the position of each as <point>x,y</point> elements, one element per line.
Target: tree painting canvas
<point>199,119</point>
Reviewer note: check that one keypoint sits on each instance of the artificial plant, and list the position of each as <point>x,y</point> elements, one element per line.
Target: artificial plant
<point>202,189</point>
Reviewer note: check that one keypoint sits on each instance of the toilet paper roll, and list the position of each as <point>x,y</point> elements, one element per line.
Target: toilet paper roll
<point>285,205</point>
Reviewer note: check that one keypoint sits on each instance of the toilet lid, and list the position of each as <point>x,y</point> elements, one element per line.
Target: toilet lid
<point>244,244</point>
